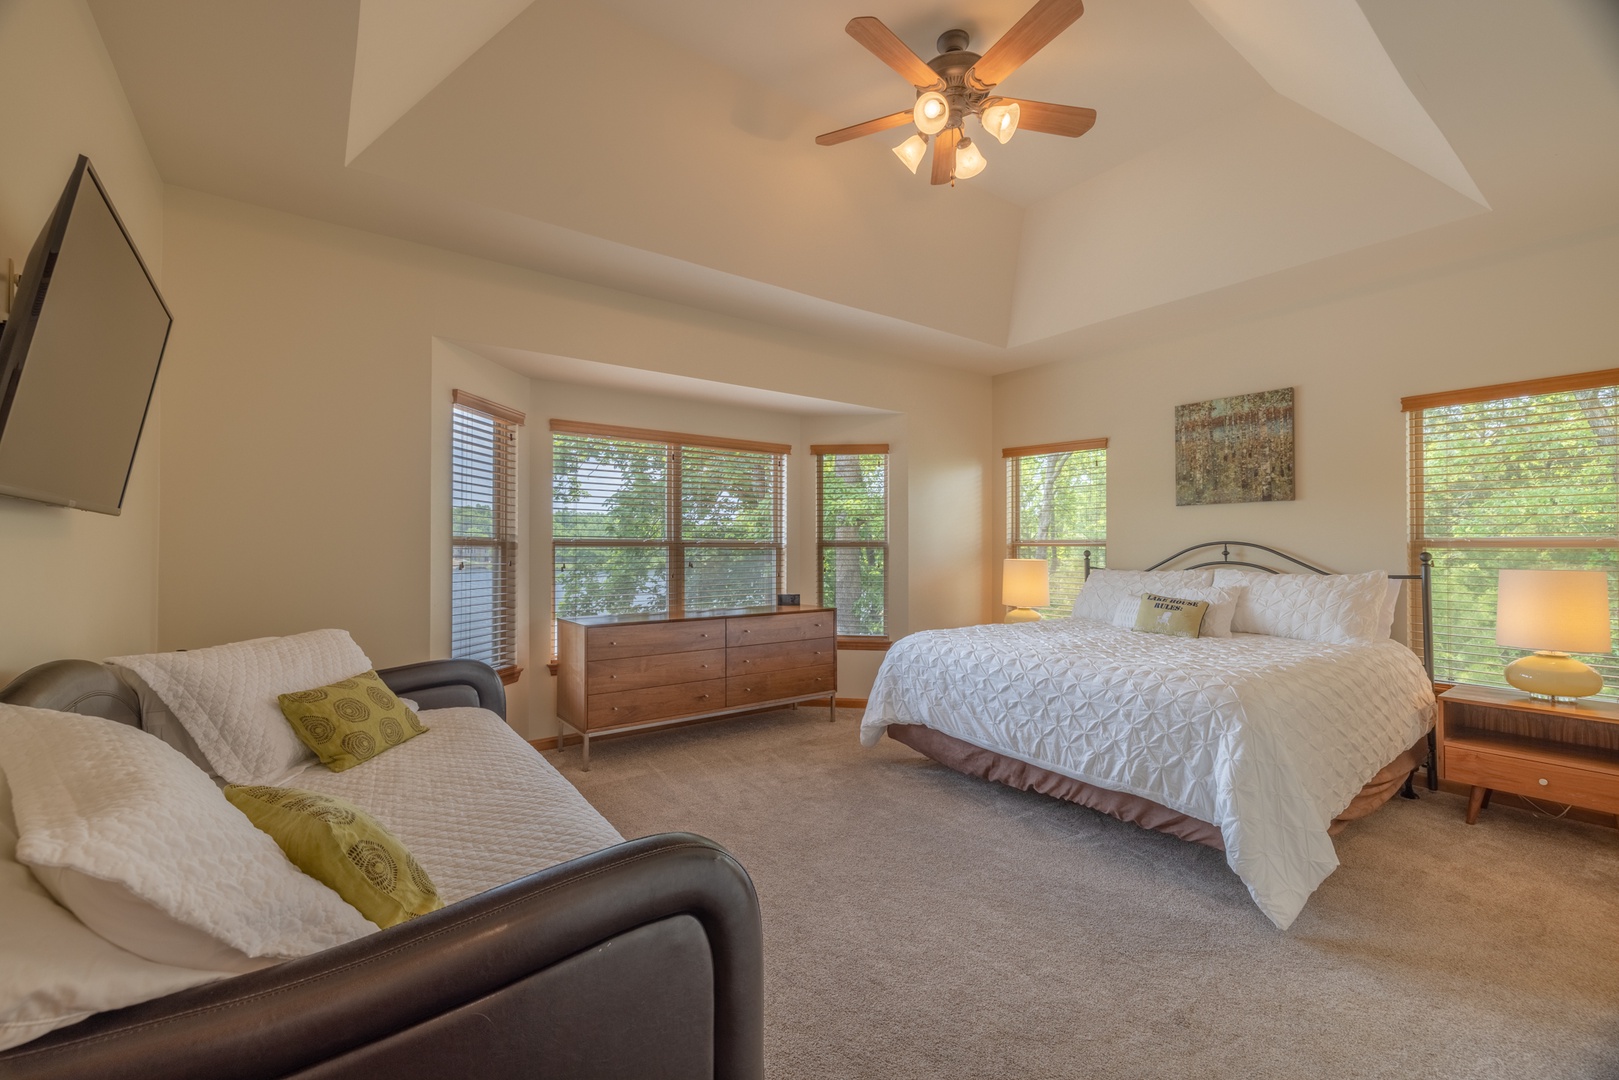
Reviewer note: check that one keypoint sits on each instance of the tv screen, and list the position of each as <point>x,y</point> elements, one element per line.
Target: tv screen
<point>79,356</point>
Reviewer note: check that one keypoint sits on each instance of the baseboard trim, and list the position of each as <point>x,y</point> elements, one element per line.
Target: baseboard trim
<point>851,703</point>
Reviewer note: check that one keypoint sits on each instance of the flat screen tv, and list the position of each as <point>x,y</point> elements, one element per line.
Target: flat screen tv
<point>79,356</point>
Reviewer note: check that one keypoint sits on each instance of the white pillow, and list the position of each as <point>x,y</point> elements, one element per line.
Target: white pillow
<point>1391,603</point>
<point>57,971</point>
<point>1216,620</point>
<point>1100,596</point>
<point>1336,609</point>
<point>149,854</point>
<point>225,697</point>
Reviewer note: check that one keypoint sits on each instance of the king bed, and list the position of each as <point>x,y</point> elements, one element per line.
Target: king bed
<point>1295,712</point>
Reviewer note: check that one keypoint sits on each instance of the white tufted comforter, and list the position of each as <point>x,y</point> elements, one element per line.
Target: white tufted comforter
<point>1266,738</point>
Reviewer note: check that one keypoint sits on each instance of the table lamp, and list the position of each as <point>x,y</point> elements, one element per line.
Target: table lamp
<point>1554,612</point>
<point>1025,585</point>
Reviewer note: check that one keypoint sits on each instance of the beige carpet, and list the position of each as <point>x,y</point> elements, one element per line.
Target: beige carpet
<point>919,923</point>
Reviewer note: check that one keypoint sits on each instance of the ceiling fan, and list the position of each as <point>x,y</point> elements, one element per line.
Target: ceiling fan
<point>957,84</point>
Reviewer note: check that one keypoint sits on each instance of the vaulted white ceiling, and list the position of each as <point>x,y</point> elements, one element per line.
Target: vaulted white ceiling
<point>1248,154</point>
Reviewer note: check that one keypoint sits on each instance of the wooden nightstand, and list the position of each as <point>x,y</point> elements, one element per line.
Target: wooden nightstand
<point>1504,740</point>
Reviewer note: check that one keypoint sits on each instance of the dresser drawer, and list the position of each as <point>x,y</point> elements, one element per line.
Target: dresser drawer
<point>774,685</point>
<point>642,639</point>
<point>1524,775</point>
<point>656,669</point>
<point>654,703</point>
<point>782,656</point>
<point>765,629</point>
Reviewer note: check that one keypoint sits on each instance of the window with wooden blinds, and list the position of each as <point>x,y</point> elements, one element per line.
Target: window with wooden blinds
<point>1517,476</point>
<point>851,498</point>
<point>1056,510</point>
<point>651,521</point>
<point>483,532</point>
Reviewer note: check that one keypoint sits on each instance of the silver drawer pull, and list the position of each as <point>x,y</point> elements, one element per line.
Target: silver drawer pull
<point>702,697</point>
<point>1543,782</point>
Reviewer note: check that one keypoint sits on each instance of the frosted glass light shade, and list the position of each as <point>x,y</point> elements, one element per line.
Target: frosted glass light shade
<point>1553,610</point>
<point>912,150</point>
<point>932,113</point>
<point>1000,119</point>
<point>969,162</point>
<point>1025,583</point>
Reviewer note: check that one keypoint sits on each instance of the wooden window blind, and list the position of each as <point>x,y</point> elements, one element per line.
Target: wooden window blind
<point>483,531</point>
<point>851,499</point>
<point>651,521</point>
<point>1517,476</point>
<point>1056,510</point>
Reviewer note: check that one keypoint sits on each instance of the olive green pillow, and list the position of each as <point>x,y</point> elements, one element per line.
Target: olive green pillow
<point>1168,615</point>
<point>343,847</point>
<point>350,721</point>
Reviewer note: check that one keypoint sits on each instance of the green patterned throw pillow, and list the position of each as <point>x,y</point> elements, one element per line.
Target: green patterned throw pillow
<point>343,847</point>
<point>1167,615</point>
<point>350,721</point>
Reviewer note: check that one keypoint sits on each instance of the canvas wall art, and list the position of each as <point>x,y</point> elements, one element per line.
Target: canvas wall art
<point>1235,449</point>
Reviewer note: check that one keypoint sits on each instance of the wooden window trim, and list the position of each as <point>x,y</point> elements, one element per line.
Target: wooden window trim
<point>1555,384</point>
<point>820,450</point>
<point>1054,448</point>
<point>509,675</point>
<point>710,442</point>
<point>495,409</point>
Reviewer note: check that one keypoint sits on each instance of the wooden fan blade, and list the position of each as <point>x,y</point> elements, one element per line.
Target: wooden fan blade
<point>1029,35</point>
<point>944,155</point>
<point>887,47</point>
<point>870,127</point>
<point>1069,120</point>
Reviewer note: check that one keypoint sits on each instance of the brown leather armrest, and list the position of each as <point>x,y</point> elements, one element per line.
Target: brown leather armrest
<point>426,996</point>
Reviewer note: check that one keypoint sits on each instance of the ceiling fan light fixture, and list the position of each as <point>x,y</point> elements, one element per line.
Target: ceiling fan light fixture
<point>1000,119</point>
<point>932,113</point>
<point>912,151</point>
<point>969,161</point>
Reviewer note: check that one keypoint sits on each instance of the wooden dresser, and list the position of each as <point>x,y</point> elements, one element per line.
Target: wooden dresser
<point>621,672</point>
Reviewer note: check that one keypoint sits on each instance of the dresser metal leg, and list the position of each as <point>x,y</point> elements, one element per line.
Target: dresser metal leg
<point>832,708</point>
<point>584,750</point>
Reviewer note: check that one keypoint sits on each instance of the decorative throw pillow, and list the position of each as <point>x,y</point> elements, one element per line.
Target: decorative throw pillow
<point>1216,621</point>
<point>1170,616</point>
<point>1102,591</point>
<point>225,696</point>
<point>344,848</point>
<point>139,844</point>
<point>351,720</point>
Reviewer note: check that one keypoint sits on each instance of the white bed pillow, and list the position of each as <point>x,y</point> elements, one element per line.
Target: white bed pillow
<point>57,971</point>
<point>1391,604</point>
<point>1216,620</point>
<point>1335,609</point>
<point>139,844</point>
<point>1102,591</point>
<point>225,697</point>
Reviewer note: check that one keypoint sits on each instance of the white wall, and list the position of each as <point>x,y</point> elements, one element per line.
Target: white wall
<point>302,405</point>
<point>74,583</point>
<point>1549,311</point>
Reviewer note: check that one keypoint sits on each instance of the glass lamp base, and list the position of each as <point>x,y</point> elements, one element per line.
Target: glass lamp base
<point>1553,675</point>
<point>1022,614</point>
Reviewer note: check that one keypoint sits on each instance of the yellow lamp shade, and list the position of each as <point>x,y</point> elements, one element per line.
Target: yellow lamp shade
<point>932,113</point>
<point>1025,585</point>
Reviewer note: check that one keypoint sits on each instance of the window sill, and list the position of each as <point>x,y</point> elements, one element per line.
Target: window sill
<point>864,644</point>
<point>509,675</point>
<point>553,666</point>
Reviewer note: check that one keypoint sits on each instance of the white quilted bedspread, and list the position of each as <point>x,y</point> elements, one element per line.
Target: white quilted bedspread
<point>1267,738</point>
<point>475,804</point>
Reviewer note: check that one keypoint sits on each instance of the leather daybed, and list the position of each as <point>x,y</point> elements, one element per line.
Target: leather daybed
<point>641,960</point>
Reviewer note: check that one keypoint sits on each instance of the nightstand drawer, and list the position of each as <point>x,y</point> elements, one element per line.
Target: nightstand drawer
<point>1593,788</point>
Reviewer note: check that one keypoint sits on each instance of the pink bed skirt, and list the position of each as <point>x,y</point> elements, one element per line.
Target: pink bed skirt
<point>975,761</point>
